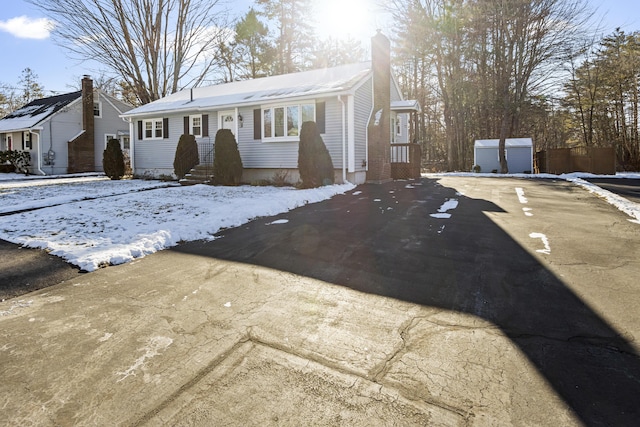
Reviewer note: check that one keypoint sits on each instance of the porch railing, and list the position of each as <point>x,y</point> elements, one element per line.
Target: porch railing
<point>405,161</point>
<point>205,153</point>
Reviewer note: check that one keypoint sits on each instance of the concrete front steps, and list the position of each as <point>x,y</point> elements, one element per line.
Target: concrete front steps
<point>201,174</point>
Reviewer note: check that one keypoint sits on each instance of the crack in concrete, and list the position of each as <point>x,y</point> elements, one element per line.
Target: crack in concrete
<point>376,379</point>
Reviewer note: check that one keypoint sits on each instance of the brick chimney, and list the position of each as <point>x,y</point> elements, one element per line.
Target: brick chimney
<point>88,119</point>
<point>82,149</point>
<point>379,127</point>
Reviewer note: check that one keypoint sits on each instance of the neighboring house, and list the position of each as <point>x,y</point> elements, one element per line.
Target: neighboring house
<point>518,152</point>
<point>66,133</point>
<point>358,108</point>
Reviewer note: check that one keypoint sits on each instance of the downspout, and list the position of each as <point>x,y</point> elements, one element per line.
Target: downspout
<point>39,153</point>
<point>132,137</point>
<point>51,144</point>
<point>344,141</point>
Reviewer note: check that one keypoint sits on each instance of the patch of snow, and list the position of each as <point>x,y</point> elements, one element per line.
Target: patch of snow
<point>278,221</point>
<point>124,223</point>
<point>448,205</point>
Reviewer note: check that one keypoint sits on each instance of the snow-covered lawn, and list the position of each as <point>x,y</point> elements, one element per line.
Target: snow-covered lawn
<point>92,222</point>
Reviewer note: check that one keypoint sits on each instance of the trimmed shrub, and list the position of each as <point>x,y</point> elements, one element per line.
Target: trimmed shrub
<point>113,160</point>
<point>314,162</point>
<point>227,163</point>
<point>186,155</point>
<point>19,161</point>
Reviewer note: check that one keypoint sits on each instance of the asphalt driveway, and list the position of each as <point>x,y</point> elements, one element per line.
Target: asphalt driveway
<point>445,301</point>
<point>628,188</point>
<point>555,269</point>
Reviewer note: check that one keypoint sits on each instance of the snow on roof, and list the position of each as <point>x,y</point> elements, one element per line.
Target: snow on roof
<point>36,111</point>
<point>258,91</point>
<point>510,142</point>
<point>405,106</point>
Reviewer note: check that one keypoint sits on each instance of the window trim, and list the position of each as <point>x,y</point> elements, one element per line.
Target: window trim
<point>191,125</point>
<point>285,109</point>
<point>99,115</point>
<point>109,136</point>
<point>154,122</point>
<point>27,142</point>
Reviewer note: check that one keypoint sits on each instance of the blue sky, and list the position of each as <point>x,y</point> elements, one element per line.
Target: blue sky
<point>24,43</point>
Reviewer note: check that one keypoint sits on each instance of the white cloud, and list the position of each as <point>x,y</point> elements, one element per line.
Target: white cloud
<point>25,27</point>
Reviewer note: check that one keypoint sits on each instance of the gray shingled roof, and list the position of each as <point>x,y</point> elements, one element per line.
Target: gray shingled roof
<point>36,112</point>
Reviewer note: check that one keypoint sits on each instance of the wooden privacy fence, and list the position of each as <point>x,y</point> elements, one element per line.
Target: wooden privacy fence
<point>596,160</point>
<point>405,161</point>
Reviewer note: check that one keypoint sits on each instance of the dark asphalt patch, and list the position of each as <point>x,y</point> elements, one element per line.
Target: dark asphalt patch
<point>383,239</point>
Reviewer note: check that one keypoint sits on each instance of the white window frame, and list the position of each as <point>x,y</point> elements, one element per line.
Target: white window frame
<point>107,137</point>
<point>27,142</point>
<point>286,108</point>
<point>99,104</point>
<point>192,125</point>
<point>154,127</point>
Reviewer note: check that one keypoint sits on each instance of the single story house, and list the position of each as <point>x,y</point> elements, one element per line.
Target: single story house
<point>266,114</point>
<point>66,133</point>
<point>518,152</point>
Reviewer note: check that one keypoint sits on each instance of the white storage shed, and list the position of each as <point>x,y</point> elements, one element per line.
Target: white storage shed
<point>518,151</point>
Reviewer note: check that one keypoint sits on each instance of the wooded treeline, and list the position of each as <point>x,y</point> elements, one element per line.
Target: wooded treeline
<point>479,68</point>
<point>493,69</point>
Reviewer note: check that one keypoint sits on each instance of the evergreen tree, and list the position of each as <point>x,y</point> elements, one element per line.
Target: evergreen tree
<point>227,163</point>
<point>113,160</point>
<point>186,155</point>
<point>295,37</point>
<point>255,52</point>
<point>314,162</point>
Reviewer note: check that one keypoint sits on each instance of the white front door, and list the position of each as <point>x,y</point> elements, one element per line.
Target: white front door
<point>228,121</point>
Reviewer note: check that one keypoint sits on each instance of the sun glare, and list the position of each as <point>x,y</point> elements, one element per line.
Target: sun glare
<point>341,19</point>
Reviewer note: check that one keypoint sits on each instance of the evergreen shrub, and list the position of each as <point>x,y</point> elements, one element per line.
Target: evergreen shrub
<point>314,162</point>
<point>186,155</point>
<point>227,163</point>
<point>113,160</point>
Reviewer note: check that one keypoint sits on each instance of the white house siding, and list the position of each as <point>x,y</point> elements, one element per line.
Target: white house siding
<point>155,157</point>
<point>333,136</point>
<point>257,154</point>
<point>363,107</point>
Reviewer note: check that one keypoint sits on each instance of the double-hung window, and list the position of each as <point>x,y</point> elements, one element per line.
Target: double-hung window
<point>195,125</point>
<point>282,123</point>
<point>97,109</point>
<point>153,129</point>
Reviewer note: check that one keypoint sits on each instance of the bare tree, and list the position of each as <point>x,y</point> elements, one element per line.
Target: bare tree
<point>156,47</point>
